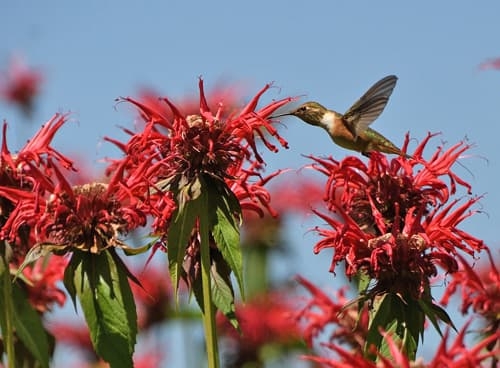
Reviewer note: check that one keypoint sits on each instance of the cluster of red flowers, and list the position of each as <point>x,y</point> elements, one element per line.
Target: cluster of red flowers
<point>265,320</point>
<point>455,355</point>
<point>44,213</point>
<point>493,63</point>
<point>166,163</point>
<point>25,181</point>
<point>174,149</point>
<point>480,291</point>
<point>19,85</point>
<point>392,223</point>
<point>396,225</point>
<point>392,220</point>
<point>321,311</point>
<point>90,217</point>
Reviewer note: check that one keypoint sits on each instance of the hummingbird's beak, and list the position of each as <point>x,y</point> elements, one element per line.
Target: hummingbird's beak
<point>280,115</point>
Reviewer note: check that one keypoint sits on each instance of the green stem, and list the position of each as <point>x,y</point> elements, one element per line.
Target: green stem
<point>208,306</point>
<point>7,309</point>
<point>256,276</point>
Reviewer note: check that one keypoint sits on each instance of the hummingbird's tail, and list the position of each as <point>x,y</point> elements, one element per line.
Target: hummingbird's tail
<point>388,149</point>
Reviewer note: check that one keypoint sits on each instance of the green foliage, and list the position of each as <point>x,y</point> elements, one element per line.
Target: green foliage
<point>29,327</point>
<point>6,305</point>
<point>403,318</point>
<point>208,202</point>
<point>20,321</point>
<point>179,233</point>
<point>393,315</point>
<point>225,226</point>
<point>101,284</point>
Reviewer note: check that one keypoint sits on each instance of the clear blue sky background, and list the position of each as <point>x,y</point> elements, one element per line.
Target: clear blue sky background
<point>330,51</point>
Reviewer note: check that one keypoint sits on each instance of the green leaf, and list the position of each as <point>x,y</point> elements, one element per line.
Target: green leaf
<point>225,226</point>
<point>227,238</point>
<point>442,315</point>
<point>434,312</point>
<point>29,327</point>
<point>402,319</point>
<point>135,251</point>
<point>363,281</point>
<point>179,231</point>
<point>108,305</point>
<point>380,316</point>
<point>35,253</point>
<point>69,275</point>
<point>6,306</point>
<point>187,192</point>
<point>206,251</point>
<point>222,290</point>
<point>391,328</point>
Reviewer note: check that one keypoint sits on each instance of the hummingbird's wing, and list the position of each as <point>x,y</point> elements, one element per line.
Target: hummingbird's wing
<point>370,105</point>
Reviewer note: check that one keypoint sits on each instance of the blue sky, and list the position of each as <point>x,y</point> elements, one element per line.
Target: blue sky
<point>330,51</point>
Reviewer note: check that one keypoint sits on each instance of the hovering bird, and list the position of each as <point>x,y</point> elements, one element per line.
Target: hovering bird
<point>351,130</point>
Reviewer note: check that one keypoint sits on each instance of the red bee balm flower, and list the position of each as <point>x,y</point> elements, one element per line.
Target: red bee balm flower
<point>393,224</point>
<point>454,355</point>
<point>41,282</point>
<point>174,150</point>
<point>20,85</point>
<point>89,217</point>
<point>24,179</point>
<point>265,320</point>
<point>321,311</point>
<point>480,289</point>
<point>194,174</point>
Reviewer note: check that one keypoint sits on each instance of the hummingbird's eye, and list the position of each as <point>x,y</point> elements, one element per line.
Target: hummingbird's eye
<point>302,109</point>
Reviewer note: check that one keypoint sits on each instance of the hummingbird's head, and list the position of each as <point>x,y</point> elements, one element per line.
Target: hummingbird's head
<point>311,112</point>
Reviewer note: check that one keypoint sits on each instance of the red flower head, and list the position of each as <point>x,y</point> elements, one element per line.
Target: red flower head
<point>493,64</point>
<point>322,311</point>
<point>177,157</point>
<point>175,149</point>
<point>228,95</point>
<point>25,177</point>
<point>457,355</point>
<point>480,290</point>
<point>76,335</point>
<point>20,85</point>
<point>393,223</point>
<point>41,283</point>
<point>267,319</point>
<point>89,217</point>
<point>153,297</point>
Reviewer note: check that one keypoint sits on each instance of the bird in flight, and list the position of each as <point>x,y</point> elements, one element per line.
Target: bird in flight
<point>351,130</point>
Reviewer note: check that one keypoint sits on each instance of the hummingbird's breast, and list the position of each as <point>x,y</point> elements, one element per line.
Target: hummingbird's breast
<point>343,136</point>
<point>329,120</point>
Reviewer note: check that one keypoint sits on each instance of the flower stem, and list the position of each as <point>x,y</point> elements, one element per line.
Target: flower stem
<point>6,308</point>
<point>256,270</point>
<point>208,306</point>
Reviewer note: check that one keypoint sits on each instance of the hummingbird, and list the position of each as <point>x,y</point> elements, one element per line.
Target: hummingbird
<point>351,130</point>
